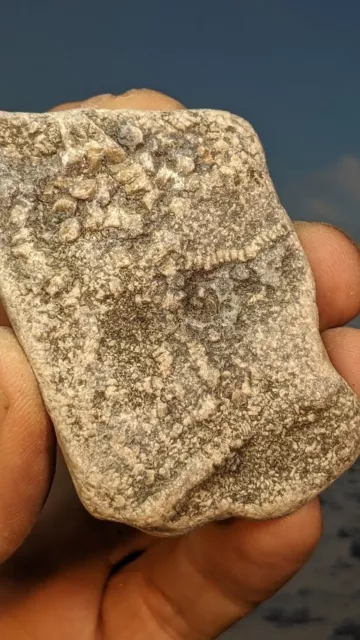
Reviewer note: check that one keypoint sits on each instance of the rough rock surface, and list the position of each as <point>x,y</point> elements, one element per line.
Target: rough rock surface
<point>168,311</point>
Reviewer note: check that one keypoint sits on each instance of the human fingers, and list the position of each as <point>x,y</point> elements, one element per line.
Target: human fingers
<point>196,586</point>
<point>335,262</point>
<point>146,99</point>
<point>27,446</point>
<point>343,348</point>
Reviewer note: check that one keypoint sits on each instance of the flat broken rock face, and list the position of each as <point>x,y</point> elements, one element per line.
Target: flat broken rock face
<point>166,306</point>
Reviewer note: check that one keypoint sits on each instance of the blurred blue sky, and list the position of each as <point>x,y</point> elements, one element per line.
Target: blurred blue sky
<point>291,67</point>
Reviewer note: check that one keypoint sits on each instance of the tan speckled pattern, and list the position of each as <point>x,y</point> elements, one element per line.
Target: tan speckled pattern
<point>166,306</point>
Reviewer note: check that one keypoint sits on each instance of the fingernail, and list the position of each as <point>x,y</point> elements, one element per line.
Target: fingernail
<point>4,406</point>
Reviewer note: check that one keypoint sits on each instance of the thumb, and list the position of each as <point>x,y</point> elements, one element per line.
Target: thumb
<point>26,446</point>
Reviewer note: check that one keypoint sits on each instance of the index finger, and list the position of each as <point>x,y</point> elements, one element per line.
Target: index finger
<point>335,262</point>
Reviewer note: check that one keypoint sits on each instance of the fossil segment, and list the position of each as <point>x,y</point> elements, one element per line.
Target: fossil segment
<point>166,306</point>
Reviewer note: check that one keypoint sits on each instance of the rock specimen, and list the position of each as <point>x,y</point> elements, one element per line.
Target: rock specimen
<point>166,306</point>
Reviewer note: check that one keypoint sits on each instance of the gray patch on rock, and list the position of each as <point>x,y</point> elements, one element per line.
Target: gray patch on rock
<point>167,308</point>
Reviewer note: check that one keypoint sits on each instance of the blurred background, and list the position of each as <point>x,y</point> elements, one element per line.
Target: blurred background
<point>291,67</point>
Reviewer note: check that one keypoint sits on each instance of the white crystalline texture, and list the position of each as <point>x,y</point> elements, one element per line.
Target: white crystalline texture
<point>166,306</point>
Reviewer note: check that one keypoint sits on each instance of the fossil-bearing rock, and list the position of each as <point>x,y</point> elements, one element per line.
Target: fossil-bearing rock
<point>166,306</point>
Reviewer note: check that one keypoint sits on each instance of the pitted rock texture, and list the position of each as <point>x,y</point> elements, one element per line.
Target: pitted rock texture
<point>166,306</point>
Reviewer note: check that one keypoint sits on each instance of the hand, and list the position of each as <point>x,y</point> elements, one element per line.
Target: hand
<point>76,578</point>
